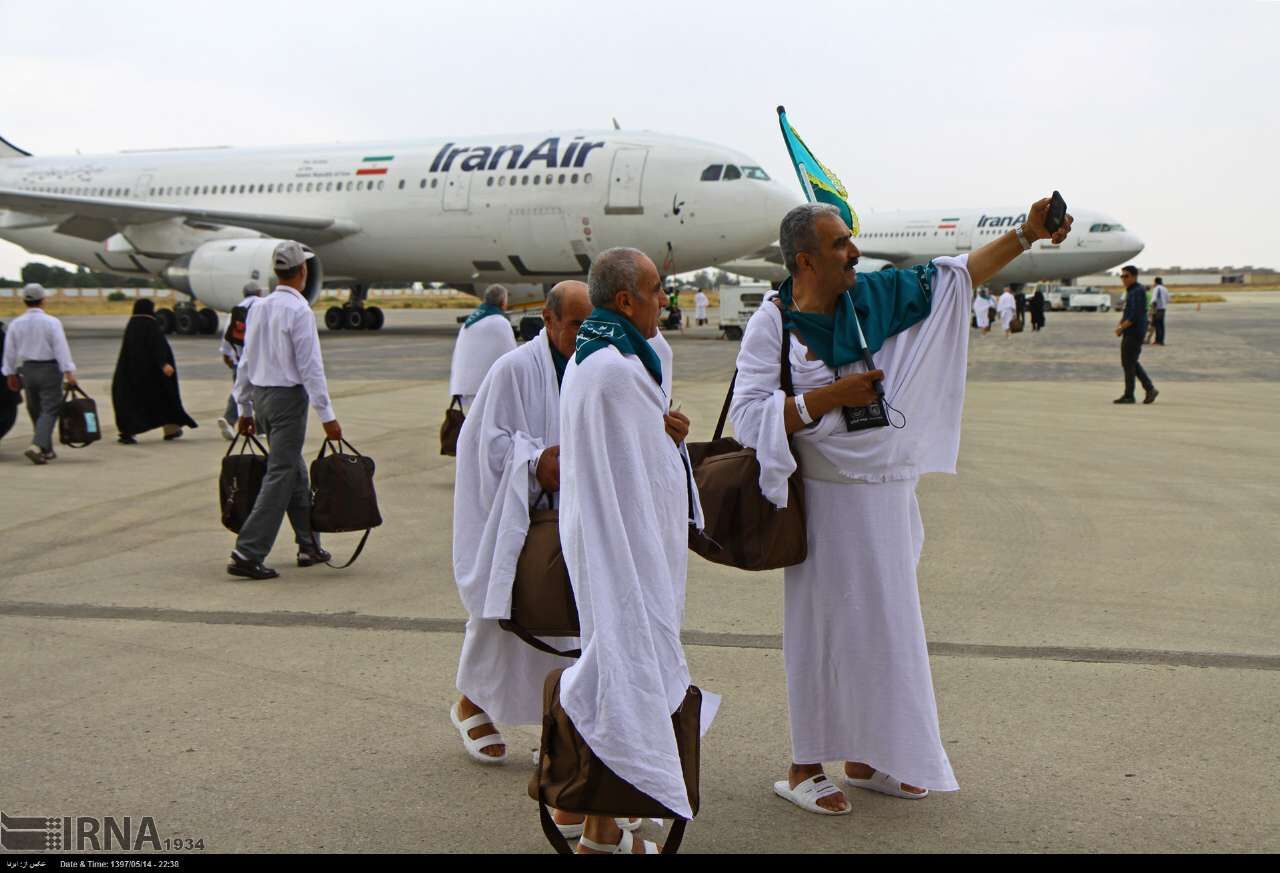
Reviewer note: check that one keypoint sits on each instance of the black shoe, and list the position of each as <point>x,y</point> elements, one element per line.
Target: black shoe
<point>1151,396</point>
<point>126,440</point>
<point>173,436</point>
<point>51,455</point>
<point>249,569</point>
<point>308,555</point>
<point>1125,399</point>
<point>35,455</point>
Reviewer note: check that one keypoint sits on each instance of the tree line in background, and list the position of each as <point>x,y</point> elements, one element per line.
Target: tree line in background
<point>59,277</point>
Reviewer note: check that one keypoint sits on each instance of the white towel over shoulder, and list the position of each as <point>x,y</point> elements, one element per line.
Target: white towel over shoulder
<point>475,351</point>
<point>624,530</point>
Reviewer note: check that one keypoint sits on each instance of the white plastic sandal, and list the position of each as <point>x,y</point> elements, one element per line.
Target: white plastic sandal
<point>573,831</point>
<point>624,846</point>
<point>807,794</point>
<point>473,747</point>
<point>885,784</point>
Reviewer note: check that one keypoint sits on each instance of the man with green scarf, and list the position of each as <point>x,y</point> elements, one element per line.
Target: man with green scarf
<point>626,503</point>
<point>858,680</point>
<point>485,336</point>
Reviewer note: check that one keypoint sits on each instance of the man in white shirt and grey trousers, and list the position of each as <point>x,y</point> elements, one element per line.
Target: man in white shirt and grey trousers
<point>280,371</point>
<point>36,348</point>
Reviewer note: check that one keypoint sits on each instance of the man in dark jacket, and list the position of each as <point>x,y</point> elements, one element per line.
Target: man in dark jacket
<point>1132,327</point>
<point>9,400</point>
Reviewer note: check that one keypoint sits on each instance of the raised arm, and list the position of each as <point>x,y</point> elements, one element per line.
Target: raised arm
<point>993,257</point>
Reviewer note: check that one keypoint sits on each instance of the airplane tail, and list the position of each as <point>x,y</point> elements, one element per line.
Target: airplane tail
<point>9,150</point>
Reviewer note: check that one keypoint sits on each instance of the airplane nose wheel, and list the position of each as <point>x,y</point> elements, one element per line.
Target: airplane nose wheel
<point>335,318</point>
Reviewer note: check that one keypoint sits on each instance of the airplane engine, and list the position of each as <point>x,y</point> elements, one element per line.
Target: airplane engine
<point>215,274</point>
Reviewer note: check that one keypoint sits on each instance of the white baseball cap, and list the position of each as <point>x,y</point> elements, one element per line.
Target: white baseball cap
<point>290,254</point>
<point>33,292</point>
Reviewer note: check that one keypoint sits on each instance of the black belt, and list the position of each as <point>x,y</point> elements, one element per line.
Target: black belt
<point>51,361</point>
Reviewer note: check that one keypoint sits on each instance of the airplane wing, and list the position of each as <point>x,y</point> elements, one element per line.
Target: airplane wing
<point>773,254</point>
<point>98,218</point>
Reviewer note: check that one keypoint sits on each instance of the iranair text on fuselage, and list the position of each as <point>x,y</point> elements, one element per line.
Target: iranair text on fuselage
<point>547,154</point>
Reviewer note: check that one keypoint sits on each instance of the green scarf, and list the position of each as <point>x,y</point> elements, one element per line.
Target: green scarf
<point>884,303</point>
<point>484,310</point>
<point>606,327</point>
<point>558,360</point>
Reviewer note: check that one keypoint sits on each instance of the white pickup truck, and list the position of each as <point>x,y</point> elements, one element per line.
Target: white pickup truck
<point>1090,298</point>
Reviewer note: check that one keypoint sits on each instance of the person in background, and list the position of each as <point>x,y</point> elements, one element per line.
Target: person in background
<point>38,360</point>
<point>231,348</point>
<point>280,373</point>
<point>144,389</point>
<point>1133,323</point>
<point>484,337</point>
<point>1159,303</point>
<point>1006,308</point>
<point>700,301</point>
<point>982,306</point>
<point>1036,306</point>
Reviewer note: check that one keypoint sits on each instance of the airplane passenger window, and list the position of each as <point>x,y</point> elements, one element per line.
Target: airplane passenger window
<point>755,173</point>
<point>502,181</point>
<point>712,173</point>
<point>360,185</point>
<point>537,179</point>
<point>488,183</point>
<point>422,184</point>
<point>561,182</point>
<point>328,186</point>
<point>379,184</point>
<point>573,180</point>
<point>401,185</point>
<point>513,181</point>
<point>435,182</point>
<point>732,172</point>
<point>524,180</point>
<point>348,186</point>
<point>586,180</point>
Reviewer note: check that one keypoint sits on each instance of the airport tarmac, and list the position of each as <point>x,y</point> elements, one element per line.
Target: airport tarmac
<point>1100,589</point>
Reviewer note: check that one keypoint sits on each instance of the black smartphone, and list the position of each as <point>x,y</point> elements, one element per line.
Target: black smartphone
<point>1057,213</point>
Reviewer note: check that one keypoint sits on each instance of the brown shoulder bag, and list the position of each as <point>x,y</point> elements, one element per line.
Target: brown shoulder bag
<point>571,778</point>
<point>542,602</point>
<point>453,419</point>
<point>742,528</point>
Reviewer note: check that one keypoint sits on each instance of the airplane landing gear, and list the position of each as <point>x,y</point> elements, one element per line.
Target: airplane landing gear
<point>186,320</point>
<point>354,315</point>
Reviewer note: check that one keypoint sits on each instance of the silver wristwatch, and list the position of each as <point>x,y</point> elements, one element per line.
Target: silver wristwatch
<point>1022,239</point>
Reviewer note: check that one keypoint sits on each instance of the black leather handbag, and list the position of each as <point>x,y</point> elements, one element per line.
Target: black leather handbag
<point>240,481</point>
<point>342,494</point>
<point>78,419</point>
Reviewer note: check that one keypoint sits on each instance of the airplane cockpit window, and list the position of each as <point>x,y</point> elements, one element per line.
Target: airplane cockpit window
<point>732,172</point>
<point>712,173</point>
<point>755,173</point>
<point>1105,228</point>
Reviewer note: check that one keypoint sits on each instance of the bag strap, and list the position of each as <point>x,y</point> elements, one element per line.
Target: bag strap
<point>520,631</point>
<point>788,385</point>
<point>457,399</point>
<point>249,441</point>
<point>360,548</point>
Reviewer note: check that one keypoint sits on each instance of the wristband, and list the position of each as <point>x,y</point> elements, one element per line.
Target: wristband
<point>802,410</point>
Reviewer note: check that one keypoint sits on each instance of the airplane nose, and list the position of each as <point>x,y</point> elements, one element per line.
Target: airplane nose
<point>779,200</point>
<point>1133,246</point>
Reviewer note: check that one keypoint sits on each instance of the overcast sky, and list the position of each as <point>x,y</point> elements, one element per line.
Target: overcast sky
<point>1163,115</point>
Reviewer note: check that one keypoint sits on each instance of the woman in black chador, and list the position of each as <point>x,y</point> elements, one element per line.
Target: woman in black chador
<point>144,390</point>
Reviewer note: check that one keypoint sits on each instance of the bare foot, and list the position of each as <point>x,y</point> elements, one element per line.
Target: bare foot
<point>800,772</point>
<point>466,709</point>
<point>605,831</point>
<point>857,770</point>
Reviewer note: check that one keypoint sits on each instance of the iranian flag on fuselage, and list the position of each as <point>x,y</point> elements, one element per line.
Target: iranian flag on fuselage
<point>375,165</point>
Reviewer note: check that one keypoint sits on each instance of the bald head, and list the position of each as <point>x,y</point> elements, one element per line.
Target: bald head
<point>568,305</point>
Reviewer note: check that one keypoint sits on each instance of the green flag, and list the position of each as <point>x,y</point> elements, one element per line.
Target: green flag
<point>818,182</point>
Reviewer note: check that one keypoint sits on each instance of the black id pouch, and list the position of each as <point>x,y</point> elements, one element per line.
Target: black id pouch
<point>864,417</point>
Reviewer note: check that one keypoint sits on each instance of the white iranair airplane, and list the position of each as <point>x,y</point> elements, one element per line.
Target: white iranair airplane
<point>902,239</point>
<point>522,209</point>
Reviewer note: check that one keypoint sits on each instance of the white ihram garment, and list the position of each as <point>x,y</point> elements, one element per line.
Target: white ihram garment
<point>516,414</point>
<point>475,351</point>
<point>858,680</point>
<point>700,302</point>
<point>1006,308</point>
<point>982,310</point>
<point>624,529</point>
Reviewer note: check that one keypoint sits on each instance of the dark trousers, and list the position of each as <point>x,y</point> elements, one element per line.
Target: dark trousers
<point>1130,348</point>
<point>42,383</point>
<point>1157,318</point>
<point>282,412</point>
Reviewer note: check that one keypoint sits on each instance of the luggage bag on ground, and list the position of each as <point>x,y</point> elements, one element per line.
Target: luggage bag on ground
<point>342,494</point>
<point>240,481</point>
<point>78,424</point>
